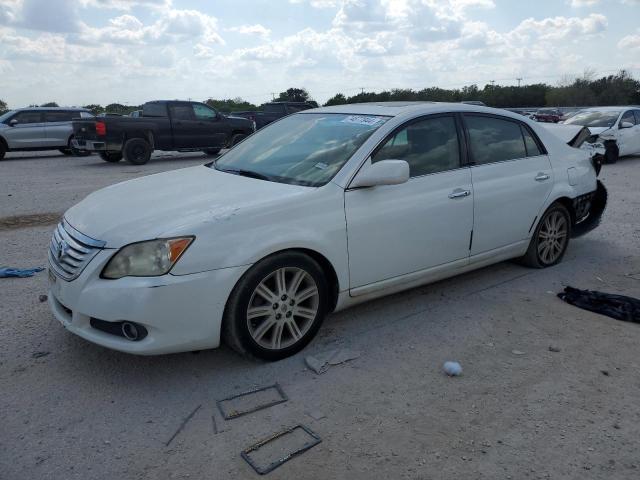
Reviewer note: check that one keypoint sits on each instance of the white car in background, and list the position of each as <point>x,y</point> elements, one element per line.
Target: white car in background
<point>314,213</point>
<point>616,128</point>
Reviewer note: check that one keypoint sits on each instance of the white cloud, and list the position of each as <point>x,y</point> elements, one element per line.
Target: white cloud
<point>583,3</point>
<point>256,29</point>
<point>630,42</point>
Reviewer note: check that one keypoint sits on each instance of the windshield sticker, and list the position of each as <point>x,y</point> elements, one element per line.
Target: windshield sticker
<point>321,166</point>
<point>369,120</point>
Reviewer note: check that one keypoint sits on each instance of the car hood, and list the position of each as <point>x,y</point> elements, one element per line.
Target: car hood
<point>172,203</point>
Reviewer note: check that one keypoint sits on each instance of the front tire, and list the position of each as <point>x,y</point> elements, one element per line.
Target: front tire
<point>550,239</point>
<point>65,151</point>
<point>212,151</point>
<point>137,151</point>
<point>611,155</point>
<point>3,150</point>
<point>277,307</point>
<point>111,157</point>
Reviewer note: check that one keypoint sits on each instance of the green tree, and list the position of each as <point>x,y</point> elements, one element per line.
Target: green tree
<point>94,108</point>
<point>293,95</point>
<point>50,104</point>
<point>337,99</point>
<point>231,105</point>
<point>3,107</point>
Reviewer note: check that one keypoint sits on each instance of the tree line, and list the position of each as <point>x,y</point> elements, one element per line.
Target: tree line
<point>619,89</point>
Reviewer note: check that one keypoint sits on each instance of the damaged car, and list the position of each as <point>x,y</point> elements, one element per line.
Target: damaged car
<point>318,211</point>
<point>617,129</point>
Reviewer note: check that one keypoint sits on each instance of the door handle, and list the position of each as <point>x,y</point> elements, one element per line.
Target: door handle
<point>459,193</point>
<point>541,177</point>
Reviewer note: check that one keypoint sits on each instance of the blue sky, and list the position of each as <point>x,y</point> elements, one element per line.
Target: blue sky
<point>77,52</point>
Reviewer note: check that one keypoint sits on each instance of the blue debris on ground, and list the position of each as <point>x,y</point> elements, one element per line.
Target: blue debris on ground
<point>6,272</point>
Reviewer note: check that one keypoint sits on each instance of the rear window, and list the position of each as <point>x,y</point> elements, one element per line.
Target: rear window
<point>154,110</point>
<point>532,147</point>
<point>494,140</point>
<point>59,116</point>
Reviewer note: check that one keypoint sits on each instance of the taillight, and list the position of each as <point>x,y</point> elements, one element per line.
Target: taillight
<point>101,128</point>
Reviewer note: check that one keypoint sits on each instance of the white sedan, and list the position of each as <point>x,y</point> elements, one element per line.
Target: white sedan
<point>312,214</point>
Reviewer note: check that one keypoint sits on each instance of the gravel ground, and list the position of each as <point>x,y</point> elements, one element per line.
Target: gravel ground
<point>73,410</point>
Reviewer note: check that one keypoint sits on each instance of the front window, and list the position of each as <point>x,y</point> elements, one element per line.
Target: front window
<point>303,149</point>
<point>429,146</point>
<point>594,118</point>
<point>203,113</point>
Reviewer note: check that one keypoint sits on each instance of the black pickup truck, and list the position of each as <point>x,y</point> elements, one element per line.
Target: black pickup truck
<point>163,125</point>
<point>274,111</point>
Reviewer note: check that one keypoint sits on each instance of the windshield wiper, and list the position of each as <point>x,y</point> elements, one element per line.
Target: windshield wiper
<point>245,173</point>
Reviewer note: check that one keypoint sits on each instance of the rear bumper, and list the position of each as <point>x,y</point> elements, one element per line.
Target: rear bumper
<point>89,145</point>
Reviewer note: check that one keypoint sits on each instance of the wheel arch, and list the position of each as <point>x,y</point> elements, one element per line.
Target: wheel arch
<point>327,267</point>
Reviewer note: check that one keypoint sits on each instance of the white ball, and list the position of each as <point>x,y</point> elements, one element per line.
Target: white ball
<point>453,369</point>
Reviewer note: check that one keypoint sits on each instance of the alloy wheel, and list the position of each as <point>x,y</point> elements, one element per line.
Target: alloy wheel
<point>552,237</point>
<point>282,308</point>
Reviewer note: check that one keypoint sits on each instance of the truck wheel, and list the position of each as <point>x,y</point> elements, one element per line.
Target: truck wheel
<point>212,151</point>
<point>237,138</point>
<point>137,151</point>
<point>111,157</point>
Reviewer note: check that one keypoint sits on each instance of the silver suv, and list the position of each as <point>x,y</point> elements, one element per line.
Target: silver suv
<point>39,129</point>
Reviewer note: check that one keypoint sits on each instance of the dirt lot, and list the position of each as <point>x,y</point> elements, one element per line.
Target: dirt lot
<point>73,410</point>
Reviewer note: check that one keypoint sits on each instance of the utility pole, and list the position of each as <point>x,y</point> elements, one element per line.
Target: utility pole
<point>493,83</point>
<point>519,79</point>
<point>361,90</point>
<point>273,96</point>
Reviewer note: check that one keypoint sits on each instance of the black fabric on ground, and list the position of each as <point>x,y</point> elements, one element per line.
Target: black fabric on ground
<point>619,307</point>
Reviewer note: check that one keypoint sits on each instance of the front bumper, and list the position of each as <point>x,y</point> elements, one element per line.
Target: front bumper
<point>180,312</point>
<point>88,145</point>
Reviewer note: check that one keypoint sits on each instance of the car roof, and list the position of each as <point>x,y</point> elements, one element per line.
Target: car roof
<point>394,109</point>
<point>606,109</point>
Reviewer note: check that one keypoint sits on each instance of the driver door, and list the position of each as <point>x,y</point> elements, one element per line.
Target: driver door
<point>28,132</point>
<point>395,230</point>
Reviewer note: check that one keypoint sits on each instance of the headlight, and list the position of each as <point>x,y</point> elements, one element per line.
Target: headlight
<point>146,259</point>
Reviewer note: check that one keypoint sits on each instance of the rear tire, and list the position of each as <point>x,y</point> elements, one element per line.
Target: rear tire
<point>137,151</point>
<point>212,151</point>
<point>65,151</point>
<point>111,157</point>
<point>550,239</point>
<point>277,307</point>
<point>75,152</point>
<point>3,150</point>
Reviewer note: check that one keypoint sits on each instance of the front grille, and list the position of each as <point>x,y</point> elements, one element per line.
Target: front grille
<point>70,251</point>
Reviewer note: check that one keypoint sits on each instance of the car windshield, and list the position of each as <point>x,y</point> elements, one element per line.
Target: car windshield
<point>6,115</point>
<point>594,118</point>
<point>303,149</point>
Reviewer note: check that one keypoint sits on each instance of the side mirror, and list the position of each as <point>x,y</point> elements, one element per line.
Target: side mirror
<point>626,125</point>
<point>13,122</point>
<point>385,172</point>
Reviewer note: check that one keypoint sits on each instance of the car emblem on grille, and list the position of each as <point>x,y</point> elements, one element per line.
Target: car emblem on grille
<point>63,247</point>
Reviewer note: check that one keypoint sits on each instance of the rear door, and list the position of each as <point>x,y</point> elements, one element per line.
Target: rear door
<point>512,178</point>
<point>183,123</point>
<point>28,132</point>
<point>58,127</point>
